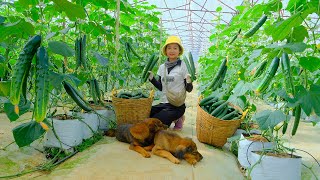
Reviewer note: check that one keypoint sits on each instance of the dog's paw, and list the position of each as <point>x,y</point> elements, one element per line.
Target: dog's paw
<point>176,161</point>
<point>147,155</point>
<point>193,162</point>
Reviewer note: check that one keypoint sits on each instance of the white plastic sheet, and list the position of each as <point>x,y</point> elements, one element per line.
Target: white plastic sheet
<point>68,131</point>
<point>276,168</point>
<point>103,118</point>
<point>246,147</point>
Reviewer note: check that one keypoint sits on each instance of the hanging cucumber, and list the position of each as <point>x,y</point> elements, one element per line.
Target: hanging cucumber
<point>235,36</point>
<point>286,68</point>
<point>255,28</point>
<point>97,88</point>
<point>261,68</point>
<point>269,76</point>
<point>76,96</point>
<point>297,116</point>
<point>133,51</point>
<point>77,45</point>
<point>218,75</point>
<point>41,85</point>
<point>22,68</point>
<point>83,51</point>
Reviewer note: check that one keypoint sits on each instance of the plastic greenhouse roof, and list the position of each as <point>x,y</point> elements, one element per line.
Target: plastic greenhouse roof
<point>192,20</point>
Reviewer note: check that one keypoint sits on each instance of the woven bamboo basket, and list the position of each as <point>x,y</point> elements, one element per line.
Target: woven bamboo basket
<point>214,131</point>
<point>132,110</point>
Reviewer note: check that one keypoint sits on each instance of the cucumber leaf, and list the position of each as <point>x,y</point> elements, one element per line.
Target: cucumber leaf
<point>299,34</point>
<point>269,119</point>
<point>282,29</point>
<point>59,47</point>
<point>73,11</point>
<point>309,100</point>
<point>24,134</point>
<point>24,107</point>
<point>310,63</point>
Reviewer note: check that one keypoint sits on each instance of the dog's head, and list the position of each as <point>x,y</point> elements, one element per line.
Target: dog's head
<point>155,125</point>
<point>188,150</point>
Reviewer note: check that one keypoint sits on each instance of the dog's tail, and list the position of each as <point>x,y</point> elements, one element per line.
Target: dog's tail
<point>110,132</point>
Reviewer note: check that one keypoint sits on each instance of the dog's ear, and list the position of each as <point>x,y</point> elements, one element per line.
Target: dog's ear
<point>180,151</point>
<point>140,131</point>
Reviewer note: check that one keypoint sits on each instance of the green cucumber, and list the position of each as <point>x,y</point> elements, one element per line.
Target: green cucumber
<point>41,85</point>
<point>256,27</point>
<point>230,115</point>
<point>75,95</point>
<point>22,68</point>
<point>219,108</point>
<point>297,116</point>
<point>269,76</point>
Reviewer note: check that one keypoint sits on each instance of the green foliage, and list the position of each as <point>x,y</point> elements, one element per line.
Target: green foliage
<point>23,105</point>
<point>26,133</point>
<point>61,48</point>
<point>295,35</point>
<point>268,119</point>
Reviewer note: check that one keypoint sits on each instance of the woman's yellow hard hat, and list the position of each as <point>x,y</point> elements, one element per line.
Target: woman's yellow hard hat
<point>170,40</point>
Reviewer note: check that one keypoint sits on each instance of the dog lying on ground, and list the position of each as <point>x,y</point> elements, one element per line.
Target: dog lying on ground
<point>173,147</point>
<point>139,135</point>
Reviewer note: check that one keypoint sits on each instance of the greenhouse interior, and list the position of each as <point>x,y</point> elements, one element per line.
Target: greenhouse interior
<point>159,89</point>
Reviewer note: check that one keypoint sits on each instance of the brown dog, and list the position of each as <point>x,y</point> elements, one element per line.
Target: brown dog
<point>140,135</point>
<point>173,147</point>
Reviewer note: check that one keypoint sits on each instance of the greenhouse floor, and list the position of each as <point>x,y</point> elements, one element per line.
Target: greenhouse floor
<point>110,159</point>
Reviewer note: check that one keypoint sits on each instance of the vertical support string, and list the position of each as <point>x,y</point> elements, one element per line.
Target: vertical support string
<point>117,43</point>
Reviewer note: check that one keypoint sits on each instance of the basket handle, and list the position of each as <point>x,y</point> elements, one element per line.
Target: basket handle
<point>200,98</point>
<point>244,114</point>
<point>114,92</point>
<point>151,94</point>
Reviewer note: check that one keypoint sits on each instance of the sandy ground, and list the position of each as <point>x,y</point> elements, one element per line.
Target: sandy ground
<point>110,159</point>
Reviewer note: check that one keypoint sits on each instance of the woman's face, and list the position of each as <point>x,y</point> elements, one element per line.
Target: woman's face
<point>172,51</point>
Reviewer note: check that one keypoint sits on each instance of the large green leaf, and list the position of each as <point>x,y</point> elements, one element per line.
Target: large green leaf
<point>281,29</point>
<point>73,11</point>
<point>241,88</point>
<point>56,79</point>
<point>269,119</point>
<point>19,28</point>
<point>2,72</point>
<point>2,19</point>
<point>9,109</point>
<point>294,5</point>
<point>27,3</point>
<point>103,61</point>
<point>311,63</point>
<point>299,34</point>
<point>5,87</point>
<point>26,133</point>
<point>291,47</point>
<point>61,48</point>
<point>309,100</point>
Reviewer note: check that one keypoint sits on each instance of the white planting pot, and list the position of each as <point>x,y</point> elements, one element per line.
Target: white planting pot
<point>89,125</point>
<point>246,147</point>
<point>104,117</point>
<point>276,168</point>
<point>68,131</point>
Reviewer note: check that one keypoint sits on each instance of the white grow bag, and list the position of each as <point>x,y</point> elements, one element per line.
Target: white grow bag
<point>246,147</point>
<point>276,168</point>
<point>68,131</point>
<point>103,118</point>
<point>89,123</point>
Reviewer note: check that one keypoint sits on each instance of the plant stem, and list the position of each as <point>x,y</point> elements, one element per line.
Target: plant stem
<point>7,146</point>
